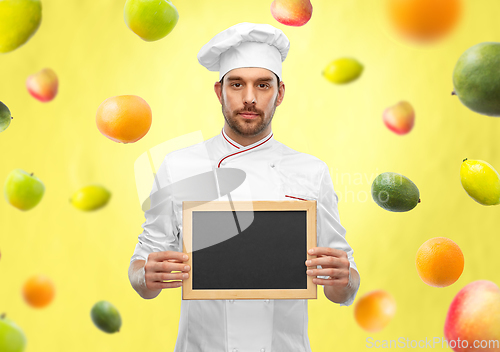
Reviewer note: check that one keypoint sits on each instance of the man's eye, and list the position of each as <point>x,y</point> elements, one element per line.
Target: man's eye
<point>261,84</point>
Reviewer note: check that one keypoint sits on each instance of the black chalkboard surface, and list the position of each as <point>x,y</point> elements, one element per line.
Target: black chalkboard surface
<point>249,250</point>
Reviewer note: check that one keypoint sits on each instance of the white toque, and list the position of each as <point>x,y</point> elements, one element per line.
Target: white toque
<point>245,45</point>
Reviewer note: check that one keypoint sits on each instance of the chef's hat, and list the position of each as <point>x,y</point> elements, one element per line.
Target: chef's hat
<point>245,45</point>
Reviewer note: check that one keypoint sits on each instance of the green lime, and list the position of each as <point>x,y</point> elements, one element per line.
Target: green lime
<point>395,192</point>
<point>4,117</point>
<point>106,317</point>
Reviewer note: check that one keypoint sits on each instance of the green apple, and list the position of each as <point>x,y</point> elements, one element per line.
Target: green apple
<point>22,190</point>
<point>19,20</point>
<point>4,117</point>
<point>12,338</point>
<point>150,19</point>
<point>90,198</point>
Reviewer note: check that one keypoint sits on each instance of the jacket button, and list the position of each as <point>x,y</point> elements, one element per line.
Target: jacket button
<point>235,350</point>
<point>262,350</point>
<point>223,163</point>
<point>231,301</point>
<point>267,301</point>
<point>272,164</point>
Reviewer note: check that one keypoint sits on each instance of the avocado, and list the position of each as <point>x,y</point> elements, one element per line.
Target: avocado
<point>395,192</point>
<point>476,78</point>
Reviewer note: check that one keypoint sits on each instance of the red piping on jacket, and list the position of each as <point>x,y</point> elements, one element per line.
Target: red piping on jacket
<point>294,197</point>
<point>229,141</point>
<point>255,146</point>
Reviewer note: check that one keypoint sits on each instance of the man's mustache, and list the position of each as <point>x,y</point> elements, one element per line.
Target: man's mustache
<point>249,111</point>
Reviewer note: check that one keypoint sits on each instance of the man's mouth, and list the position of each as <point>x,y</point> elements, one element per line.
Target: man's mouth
<point>248,115</point>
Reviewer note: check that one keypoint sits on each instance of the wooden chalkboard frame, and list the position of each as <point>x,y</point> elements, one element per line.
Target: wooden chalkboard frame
<point>187,288</point>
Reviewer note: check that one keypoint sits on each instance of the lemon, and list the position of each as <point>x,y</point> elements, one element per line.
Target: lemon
<point>343,70</point>
<point>481,181</point>
<point>90,198</point>
<point>19,20</point>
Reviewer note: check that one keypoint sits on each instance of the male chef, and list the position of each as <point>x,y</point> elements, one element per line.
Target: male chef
<point>248,57</point>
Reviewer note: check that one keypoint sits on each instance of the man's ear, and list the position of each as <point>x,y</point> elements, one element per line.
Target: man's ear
<point>281,93</point>
<point>218,90</point>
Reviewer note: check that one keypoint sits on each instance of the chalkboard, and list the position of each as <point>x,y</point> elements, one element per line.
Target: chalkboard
<point>249,250</point>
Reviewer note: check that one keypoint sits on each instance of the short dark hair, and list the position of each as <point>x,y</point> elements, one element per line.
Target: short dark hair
<point>222,81</point>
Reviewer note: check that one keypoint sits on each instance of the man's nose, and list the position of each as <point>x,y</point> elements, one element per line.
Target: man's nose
<point>249,97</point>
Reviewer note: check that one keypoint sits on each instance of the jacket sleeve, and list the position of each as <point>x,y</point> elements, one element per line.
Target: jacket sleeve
<point>330,232</point>
<point>160,230</point>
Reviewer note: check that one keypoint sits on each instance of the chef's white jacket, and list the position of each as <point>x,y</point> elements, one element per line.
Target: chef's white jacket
<point>273,172</point>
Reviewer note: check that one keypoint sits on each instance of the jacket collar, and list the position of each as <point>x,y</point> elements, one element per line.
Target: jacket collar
<point>233,146</point>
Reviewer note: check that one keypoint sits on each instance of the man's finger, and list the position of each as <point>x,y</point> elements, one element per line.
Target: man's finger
<point>327,261</point>
<point>328,282</point>
<point>334,252</point>
<point>166,255</point>
<point>332,272</point>
<point>163,267</point>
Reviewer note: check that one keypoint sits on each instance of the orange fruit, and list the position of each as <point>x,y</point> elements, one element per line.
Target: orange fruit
<point>374,310</point>
<point>439,261</point>
<point>424,20</point>
<point>124,118</point>
<point>38,291</point>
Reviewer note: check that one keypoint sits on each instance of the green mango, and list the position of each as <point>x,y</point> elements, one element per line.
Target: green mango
<point>19,21</point>
<point>476,78</point>
<point>395,192</point>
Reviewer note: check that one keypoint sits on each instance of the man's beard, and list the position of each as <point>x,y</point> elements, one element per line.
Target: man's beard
<point>251,128</point>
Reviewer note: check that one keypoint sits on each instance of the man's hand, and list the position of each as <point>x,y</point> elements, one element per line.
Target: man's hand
<point>343,281</point>
<point>160,266</point>
<point>334,264</point>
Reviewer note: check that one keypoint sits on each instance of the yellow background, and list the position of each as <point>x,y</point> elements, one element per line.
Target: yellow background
<point>96,56</point>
